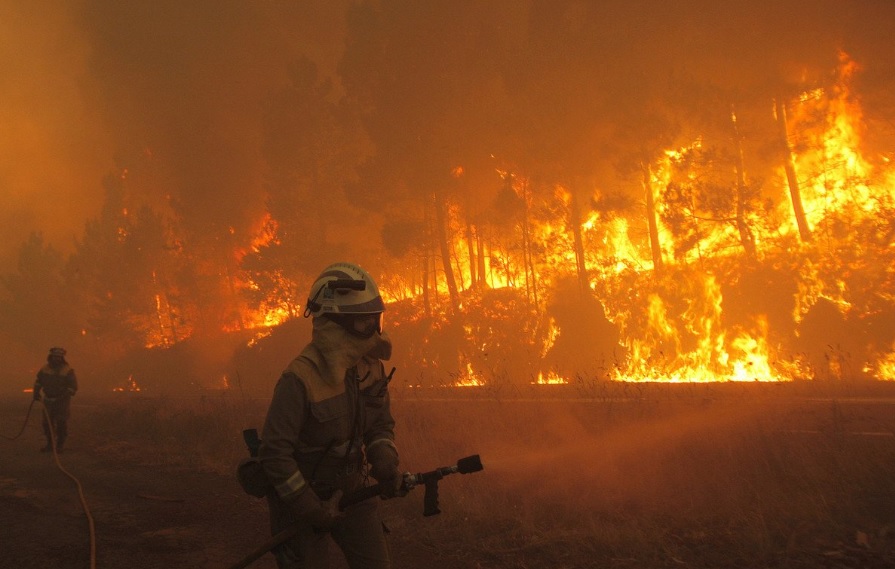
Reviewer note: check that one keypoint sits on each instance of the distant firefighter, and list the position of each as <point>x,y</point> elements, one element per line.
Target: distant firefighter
<point>330,419</point>
<point>58,382</point>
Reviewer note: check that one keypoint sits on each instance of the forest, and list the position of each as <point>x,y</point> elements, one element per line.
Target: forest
<point>546,192</point>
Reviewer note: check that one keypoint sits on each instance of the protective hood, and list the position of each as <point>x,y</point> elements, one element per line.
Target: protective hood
<point>334,350</point>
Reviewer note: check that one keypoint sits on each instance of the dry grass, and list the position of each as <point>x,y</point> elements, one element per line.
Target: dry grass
<point>669,478</point>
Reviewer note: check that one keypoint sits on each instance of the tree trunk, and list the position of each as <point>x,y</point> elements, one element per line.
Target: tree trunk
<point>746,236</point>
<point>441,231</point>
<point>655,246</point>
<point>427,300</point>
<point>794,192</point>
<point>456,259</point>
<point>575,223</point>
<point>480,248</point>
<point>470,247</point>
<point>531,282</point>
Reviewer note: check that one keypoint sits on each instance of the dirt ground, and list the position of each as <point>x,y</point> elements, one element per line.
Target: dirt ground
<point>144,518</point>
<point>662,490</point>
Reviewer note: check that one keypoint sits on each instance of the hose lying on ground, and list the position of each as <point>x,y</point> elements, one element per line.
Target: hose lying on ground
<point>77,482</point>
<point>24,424</point>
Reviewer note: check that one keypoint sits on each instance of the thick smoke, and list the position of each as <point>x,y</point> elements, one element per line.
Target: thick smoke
<point>89,87</point>
<point>175,98</point>
<point>171,92</point>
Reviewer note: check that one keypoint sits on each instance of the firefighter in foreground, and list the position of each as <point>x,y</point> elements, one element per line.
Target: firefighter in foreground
<point>58,382</point>
<point>329,421</point>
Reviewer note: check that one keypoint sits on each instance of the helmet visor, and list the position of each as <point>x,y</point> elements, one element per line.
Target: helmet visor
<point>360,325</point>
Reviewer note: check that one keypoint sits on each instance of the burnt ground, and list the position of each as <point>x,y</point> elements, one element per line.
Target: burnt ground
<point>152,511</point>
<point>145,517</point>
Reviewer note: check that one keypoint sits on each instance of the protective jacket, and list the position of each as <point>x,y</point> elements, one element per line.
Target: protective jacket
<point>56,382</point>
<point>323,415</point>
<point>330,407</point>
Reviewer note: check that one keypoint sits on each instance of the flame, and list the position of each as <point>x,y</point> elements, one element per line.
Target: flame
<point>673,330</point>
<point>470,378</point>
<point>713,358</point>
<point>551,378</point>
<point>885,367</point>
<point>835,171</point>
<point>130,386</point>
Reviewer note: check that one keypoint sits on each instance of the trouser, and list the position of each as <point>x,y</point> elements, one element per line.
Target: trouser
<point>359,534</point>
<point>59,411</point>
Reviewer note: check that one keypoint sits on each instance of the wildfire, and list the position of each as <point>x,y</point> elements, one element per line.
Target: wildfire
<point>470,378</point>
<point>664,290</point>
<point>130,386</point>
<point>837,180</point>
<point>550,378</point>
<point>885,368</point>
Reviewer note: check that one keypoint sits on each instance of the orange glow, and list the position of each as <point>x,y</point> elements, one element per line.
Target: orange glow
<point>678,323</point>
<point>550,378</point>
<point>130,386</point>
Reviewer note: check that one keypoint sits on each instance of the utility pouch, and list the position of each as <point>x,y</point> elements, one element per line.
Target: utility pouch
<point>250,473</point>
<point>252,478</point>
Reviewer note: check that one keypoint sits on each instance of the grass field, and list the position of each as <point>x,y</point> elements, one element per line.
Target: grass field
<point>742,475</point>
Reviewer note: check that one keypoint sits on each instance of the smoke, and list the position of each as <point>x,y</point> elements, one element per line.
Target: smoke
<point>172,97</point>
<point>53,150</point>
<point>170,92</point>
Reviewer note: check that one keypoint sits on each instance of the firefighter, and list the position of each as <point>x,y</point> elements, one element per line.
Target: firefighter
<point>329,424</point>
<point>58,382</point>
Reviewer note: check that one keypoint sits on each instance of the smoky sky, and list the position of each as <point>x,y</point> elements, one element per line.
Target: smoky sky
<point>173,91</point>
<point>170,92</point>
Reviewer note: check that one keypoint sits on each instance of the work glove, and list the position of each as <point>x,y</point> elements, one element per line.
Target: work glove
<point>383,459</point>
<point>321,515</point>
<point>392,485</point>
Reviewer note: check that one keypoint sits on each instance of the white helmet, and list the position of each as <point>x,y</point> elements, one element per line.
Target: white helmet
<point>344,288</point>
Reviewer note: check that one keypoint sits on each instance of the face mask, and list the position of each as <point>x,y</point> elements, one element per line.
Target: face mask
<point>360,325</point>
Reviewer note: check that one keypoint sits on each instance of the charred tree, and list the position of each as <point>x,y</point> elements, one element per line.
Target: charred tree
<point>427,302</point>
<point>531,283</point>
<point>470,247</point>
<point>427,256</point>
<point>455,257</point>
<point>480,257</point>
<point>441,231</point>
<point>746,236</point>
<point>651,217</point>
<point>575,224</point>
<point>791,179</point>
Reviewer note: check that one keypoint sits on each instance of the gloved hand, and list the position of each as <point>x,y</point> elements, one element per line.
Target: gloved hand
<point>383,459</point>
<point>392,486</point>
<point>319,514</point>
<point>37,395</point>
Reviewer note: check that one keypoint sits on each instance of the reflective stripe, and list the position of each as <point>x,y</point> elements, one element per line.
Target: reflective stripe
<point>295,484</point>
<point>385,440</point>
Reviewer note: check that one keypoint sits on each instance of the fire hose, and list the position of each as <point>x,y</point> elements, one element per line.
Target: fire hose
<point>24,423</point>
<point>84,506</point>
<point>430,503</point>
